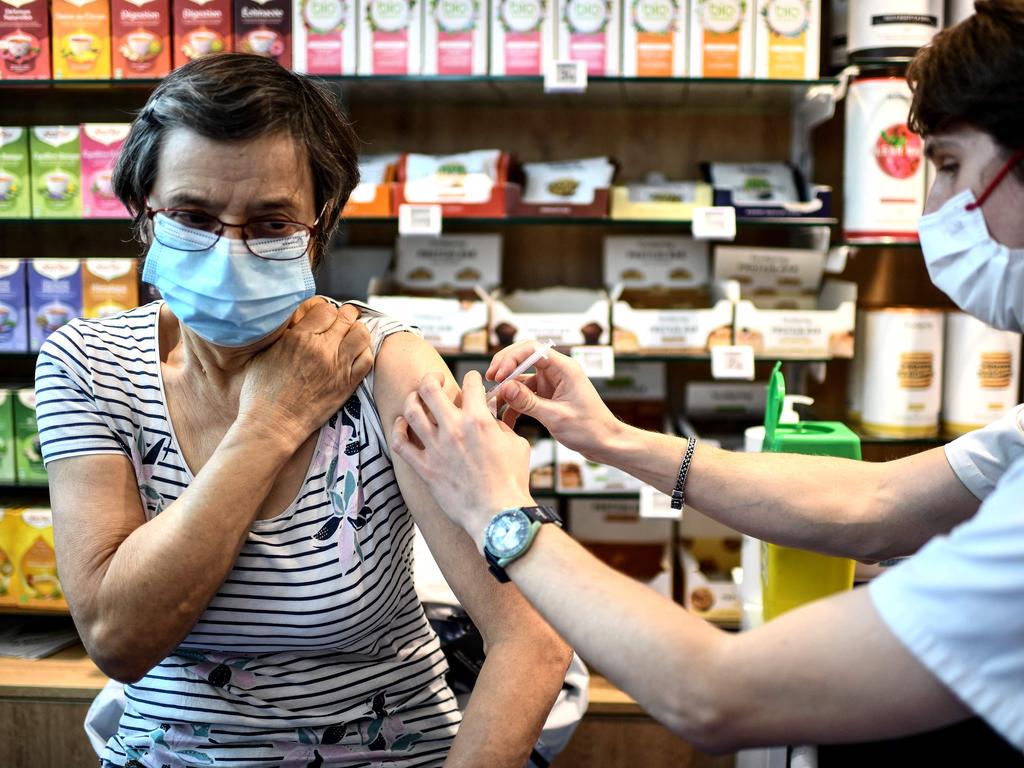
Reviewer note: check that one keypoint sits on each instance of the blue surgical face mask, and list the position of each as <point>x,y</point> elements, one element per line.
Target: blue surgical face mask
<point>225,294</point>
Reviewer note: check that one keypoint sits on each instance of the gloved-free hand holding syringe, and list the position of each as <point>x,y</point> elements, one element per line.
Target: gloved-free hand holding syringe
<point>540,351</point>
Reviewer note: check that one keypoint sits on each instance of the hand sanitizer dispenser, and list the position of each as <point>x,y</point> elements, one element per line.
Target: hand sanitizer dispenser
<point>791,577</point>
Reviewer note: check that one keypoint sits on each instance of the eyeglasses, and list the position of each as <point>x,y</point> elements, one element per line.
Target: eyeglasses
<point>262,237</point>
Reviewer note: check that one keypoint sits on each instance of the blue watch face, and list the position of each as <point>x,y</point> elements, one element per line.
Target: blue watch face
<point>507,533</point>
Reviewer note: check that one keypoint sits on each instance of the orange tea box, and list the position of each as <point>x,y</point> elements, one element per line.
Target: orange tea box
<point>141,32</point>
<point>722,38</point>
<point>787,35</point>
<point>9,520</point>
<point>109,286</point>
<point>35,560</point>
<point>200,27</point>
<point>81,39</point>
<point>24,40</point>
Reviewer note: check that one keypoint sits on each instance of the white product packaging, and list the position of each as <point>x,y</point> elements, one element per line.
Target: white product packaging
<point>324,37</point>
<point>390,37</point>
<point>883,29</point>
<point>787,35</point>
<point>522,36</point>
<point>654,38</point>
<point>455,36</point>
<point>590,31</point>
<point>722,38</point>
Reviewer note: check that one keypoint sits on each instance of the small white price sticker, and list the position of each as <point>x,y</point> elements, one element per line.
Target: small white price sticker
<point>598,362</point>
<point>717,222</point>
<point>419,220</point>
<point>835,259</point>
<point>732,362</point>
<point>566,77</point>
<point>655,504</point>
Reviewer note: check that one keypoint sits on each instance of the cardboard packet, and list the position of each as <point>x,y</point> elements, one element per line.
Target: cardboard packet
<point>264,27</point>
<point>35,560</point>
<point>54,296</point>
<point>56,160</point>
<point>141,38</point>
<point>13,306</point>
<point>722,38</point>
<point>24,40</point>
<point>15,179</point>
<point>109,286</point>
<point>390,33</point>
<point>9,522</point>
<point>455,38</point>
<point>522,36</point>
<point>101,144</point>
<point>787,34</point>
<point>654,38</point>
<point>324,37</point>
<point>7,447</point>
<point>81,39</point>
<point>589,31</point>
<point>29,469</point>
<point>200,27</point>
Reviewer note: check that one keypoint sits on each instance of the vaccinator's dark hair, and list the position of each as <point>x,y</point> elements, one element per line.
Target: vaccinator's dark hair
<point>235,97</point>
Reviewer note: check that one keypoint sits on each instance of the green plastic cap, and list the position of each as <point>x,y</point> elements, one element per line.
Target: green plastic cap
<point>773,404</point>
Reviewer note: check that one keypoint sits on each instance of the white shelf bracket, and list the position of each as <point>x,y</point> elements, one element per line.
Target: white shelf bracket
<point>818,106</point>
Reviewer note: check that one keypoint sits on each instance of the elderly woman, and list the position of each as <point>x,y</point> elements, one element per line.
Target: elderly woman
<point>234,536</point>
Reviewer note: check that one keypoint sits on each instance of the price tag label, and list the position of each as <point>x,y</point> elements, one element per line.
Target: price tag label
<point>732,362</point>
<point>419,220</point>
<point>835,259</point>
<point>566,77</point>
<point>598,362</point>
<point>655,504</point>
<point>717,222</point>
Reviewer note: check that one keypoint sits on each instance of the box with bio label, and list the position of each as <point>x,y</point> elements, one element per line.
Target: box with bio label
<point>15,180</point>
<point>81,39</point>
<point>390,33</point>
<point>101,144</point>
<point>7,448</point>
<point>455,37</point>
<point>55,152</point>
<point>35,560</point>
<point>787,35</point>
<point>24,40</point>
<point>54,296</point>
<point>13,306</point>
<point>264,27</point>
<point>324,37</point>
<point>141,38</point>
<point>589,31</point>
<point>29,469</point>
<point>200,27</point>
<point>654,38</point>
<point>722,38</point>
<point>522,36</point>
<point>109,286</point>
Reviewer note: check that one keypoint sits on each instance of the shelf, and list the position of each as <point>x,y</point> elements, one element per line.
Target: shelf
<point>746,95</point>
<point>17,610</point>
<point>883,243</point>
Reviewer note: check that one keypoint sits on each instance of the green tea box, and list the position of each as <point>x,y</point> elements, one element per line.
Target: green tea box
<point>29,459</point>
<point>6,436</point>
<point>15,199</point>
<point>55,152</point>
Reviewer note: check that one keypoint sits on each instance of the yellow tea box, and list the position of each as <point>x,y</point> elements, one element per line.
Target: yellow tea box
<point>81,39</point>
<point>109,286</point>
<point>787,39</point>
<point>654,38</point>
<point>8,531</point>
<point>35,560</point>
<point>722,38</point>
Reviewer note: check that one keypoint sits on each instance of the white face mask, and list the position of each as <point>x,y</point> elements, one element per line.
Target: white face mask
<point>982,277</point>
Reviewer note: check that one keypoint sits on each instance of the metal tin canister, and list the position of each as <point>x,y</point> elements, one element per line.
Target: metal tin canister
<point>888,30</point>
<point>902,376</point>
<point>883,165</point>
<point>981,380</point>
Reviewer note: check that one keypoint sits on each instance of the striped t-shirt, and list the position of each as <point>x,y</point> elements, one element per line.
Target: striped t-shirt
<point>315,650</point>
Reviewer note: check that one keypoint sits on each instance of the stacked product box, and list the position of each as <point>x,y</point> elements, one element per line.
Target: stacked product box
<point>15,178</point>
<point>81,39</point>
<point>13,306</point>
<point>28,460</point>
<point>24,40</point>
<point>390,37</point>
<point>140,38</point>
<point>8,452</point>
<point>28,560</point>
<point>55,157</point>
<point>324,37</point>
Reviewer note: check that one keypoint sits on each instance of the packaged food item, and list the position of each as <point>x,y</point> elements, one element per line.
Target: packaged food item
<point>567,316</point>
<point>8,453</point>
<point>54,296</point>
<point>710,552</point>
<point>448,265</point>
<point>109,286</point>
<point>613,531</point>
<point>15,180</point>
<point>455,38</point>
<point>81,39</point>
<point>522,36</point>
<point>654,38</point>
<point>884,166</point>
<point>659,199</point>
<point>982,373</point>
<point>141,38</point>
<point>372,195</point>
<point>200,27</point>
<point>325,37</point>
<point>56,159</point>
<point>390,32</point>
<point>883,30</point>
<point>787,35</point>
<point>467,177</point>
<point>837,35</point>
<point>773,278</point>
<point>588,30</point>
<point>755,183</point>
<point>573,182</point>
<point>264,27</point>
<point>24,40</point>
<point>663,271</point>
<point>9,523</point>
<point>36,560</point>
<point>722,38</point>
<point>28,460</point>
<point>902,372</point>
<point>13,306</point>
<point>101,144</point>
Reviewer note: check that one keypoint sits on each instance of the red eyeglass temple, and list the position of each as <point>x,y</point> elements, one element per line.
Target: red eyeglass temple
<point>1010,165</point>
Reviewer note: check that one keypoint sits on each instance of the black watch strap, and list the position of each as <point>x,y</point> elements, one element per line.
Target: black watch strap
<point>537,514</point>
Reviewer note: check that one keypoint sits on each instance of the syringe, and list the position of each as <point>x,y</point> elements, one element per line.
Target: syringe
<point>540,351</point>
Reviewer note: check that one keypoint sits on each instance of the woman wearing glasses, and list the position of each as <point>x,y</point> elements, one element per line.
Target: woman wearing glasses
<point>233,536</point>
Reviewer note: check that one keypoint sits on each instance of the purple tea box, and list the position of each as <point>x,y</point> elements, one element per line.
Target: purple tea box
<point>54,296</point>
<point>13,306</point>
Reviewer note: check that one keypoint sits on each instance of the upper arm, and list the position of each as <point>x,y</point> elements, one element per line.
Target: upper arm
<point>498,609</point>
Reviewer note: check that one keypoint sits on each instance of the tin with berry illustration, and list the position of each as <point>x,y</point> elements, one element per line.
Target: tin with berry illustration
<point>884,164</point>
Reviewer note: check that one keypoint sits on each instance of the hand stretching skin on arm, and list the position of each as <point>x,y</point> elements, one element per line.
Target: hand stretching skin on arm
<point>870,511</point>
<point>526,659</point>
<point>136,588</point>
<point>828,672</point>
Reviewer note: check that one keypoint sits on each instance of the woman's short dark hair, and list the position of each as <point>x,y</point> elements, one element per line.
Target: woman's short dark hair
<point>973,74</point>
<point>235,97</point>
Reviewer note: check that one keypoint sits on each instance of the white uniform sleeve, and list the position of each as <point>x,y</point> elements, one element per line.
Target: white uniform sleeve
<point>956,606</point>
<point>980,458</point>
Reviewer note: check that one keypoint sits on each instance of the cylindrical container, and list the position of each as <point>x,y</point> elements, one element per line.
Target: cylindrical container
<point>958,10</point>
<point>883,168</point>
<point>902,372</point>
<point>981,374</point>
<point>888,30</point>
<point>838,37</point>
<point>855,373</point>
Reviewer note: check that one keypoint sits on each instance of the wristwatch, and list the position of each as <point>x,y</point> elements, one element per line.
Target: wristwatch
<point>511,532</point>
